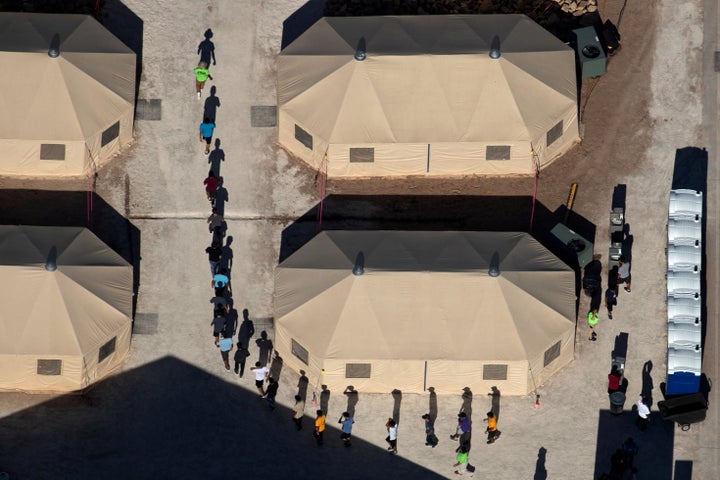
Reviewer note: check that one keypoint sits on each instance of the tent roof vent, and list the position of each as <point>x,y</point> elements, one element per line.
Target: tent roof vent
<point>54,50</point>
<point>494,270</point>
<point>359,267</point>
<point>51,262</point>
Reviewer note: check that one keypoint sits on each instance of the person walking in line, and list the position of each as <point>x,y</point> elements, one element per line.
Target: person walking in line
<point>347,422</point>
<point>319,427</point>
<point>614,378</point>
<point>391,438</point>
<point>492,432</point>
<point>218,323</point>
<point>463,427</point>
<point>214,252</point>
<point>431,440</point>
<point>461,461</point>
<point>211,186</point>
<point>624,273</point>
<point>298,412</point>
<point>219,282</point>
<point>592,322</point>
<point>241,355</point>
<point>643,413</point>
<point>630,449</point>
<point>207,127</point>
<point>201,75</point>
<point>610,300</point>
<point>225,344</point>
<point>261,373</point>
<point>271,392</point>
<point>215,220</point>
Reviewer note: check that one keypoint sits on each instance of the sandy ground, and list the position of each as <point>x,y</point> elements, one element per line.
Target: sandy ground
<point>653,100</point>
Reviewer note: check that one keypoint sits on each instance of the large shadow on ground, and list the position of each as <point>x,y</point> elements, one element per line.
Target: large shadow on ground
<point>75,209</point>
<point>128,27</point>
<point>655,445</point>
<point>169,419</point>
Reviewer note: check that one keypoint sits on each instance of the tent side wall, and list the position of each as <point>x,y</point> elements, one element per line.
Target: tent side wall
<point>539,373</point>
<point>314,148</point>
<point>95,371</point>
<point>20,373</point>
<point>23,157</point>
<point>102,150</point>
<point>562,140</point>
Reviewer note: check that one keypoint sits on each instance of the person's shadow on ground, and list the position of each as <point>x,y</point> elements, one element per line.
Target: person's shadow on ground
<point>324,398</point>
<point>247,330</point>
<point>265,346</point>
<point>647,382</point>
<point>231,321</point>
<point>397,400</point>
<point>352,399</point>
<point>221,198</point>
<point>466,407</point>
<point>302,385</point>
<point>432,404</point>
<point>212,103</point>
<point>540,470</point>
<point>276,366</point>
<point>627,244</point>
<point>206,48</point>
<point>227,254</point>
<point>495,402</point>
<point>216,157</point>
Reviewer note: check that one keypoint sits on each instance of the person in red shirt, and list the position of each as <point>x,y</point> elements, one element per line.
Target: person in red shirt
<point>613,380</point>
<point>211,185</point>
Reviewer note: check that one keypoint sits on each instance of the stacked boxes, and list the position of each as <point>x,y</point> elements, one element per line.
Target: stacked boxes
<point>684,298</point>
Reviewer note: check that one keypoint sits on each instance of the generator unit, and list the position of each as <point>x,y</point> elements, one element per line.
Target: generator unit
<point>590,52</point>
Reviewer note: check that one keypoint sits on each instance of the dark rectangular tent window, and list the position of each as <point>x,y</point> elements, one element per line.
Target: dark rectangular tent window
<point>554,133</point>
<point>358,370</point>
<point>110,134</point>
<point>494,372</point>
<point>300,352</point>
<point>497,152</point>
<point>52,151</point>
<point>303,137</point>
<point>106,350</point>
<point>362,155</point>
<point>552,353</point>
<point>49,367</point>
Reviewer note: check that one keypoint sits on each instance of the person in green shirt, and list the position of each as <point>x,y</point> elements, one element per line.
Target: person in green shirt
<point>201,75</point>
<point>461,460</point>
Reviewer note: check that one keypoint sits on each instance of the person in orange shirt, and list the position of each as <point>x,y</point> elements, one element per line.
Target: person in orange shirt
<point>492,432</point>
<point>319,427</point>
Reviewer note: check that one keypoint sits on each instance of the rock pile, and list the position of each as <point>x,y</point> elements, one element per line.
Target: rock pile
<point>577,7</point>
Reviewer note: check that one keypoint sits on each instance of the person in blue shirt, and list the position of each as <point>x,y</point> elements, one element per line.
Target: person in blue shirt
<point>219,282</point>
<point>225,344</point>
<point>347,422</point>
<point>206,133</point>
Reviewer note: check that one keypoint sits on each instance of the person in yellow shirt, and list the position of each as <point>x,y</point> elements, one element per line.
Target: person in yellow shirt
<point>201,75</point>
<point>319,427</point>
<point>492,432</point>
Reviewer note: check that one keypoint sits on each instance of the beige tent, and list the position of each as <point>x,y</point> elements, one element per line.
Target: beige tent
<point>425,311</point>
<point>62,329</point>
<point>427,99</point>
<point>68,114</point>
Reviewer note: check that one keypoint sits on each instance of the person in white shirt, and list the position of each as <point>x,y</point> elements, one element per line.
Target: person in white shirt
<point>391,439</point>
<point>261,374</point>
<point>643,413</point>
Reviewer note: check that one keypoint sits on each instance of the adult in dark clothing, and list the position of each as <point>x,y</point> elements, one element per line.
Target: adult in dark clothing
<point>214,252</point>
<point>431,440</point>
<point>241,355</point>
<point>265,346</point>
<point>218,324</point>
<point>270,392</point>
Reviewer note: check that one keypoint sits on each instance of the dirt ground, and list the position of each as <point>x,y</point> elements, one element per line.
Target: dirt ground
<point>173,394</point>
